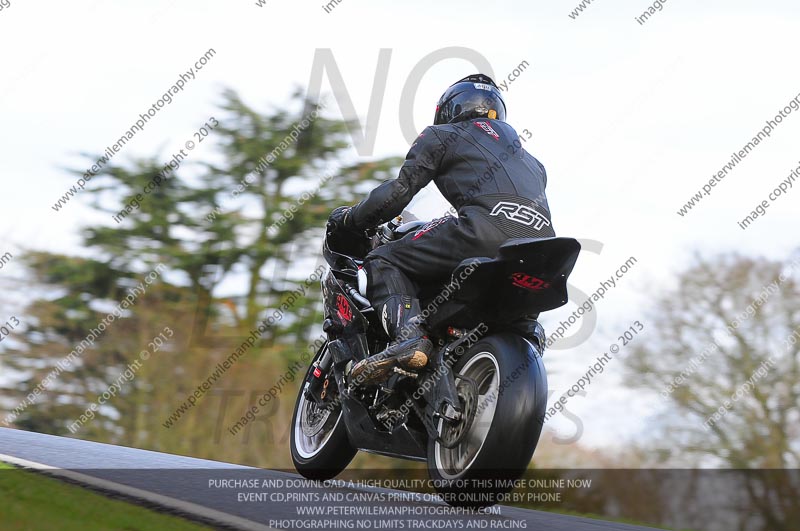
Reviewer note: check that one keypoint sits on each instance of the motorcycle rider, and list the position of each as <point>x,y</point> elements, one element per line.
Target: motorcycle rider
<point>497,188</point>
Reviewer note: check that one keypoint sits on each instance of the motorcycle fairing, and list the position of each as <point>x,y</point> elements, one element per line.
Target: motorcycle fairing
<point>365,435</point>
<point>528,276</point>
<point>346,322</point>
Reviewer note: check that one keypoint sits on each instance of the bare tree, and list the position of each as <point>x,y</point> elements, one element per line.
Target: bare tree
<point>724,355</point>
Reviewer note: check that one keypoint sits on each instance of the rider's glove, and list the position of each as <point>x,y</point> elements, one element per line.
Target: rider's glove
<point>341,219</point>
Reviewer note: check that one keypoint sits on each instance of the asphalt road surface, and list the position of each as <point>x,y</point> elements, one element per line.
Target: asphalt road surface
<point>238,497</point>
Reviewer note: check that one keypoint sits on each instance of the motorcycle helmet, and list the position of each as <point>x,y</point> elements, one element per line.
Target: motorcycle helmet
<point>475,96</point>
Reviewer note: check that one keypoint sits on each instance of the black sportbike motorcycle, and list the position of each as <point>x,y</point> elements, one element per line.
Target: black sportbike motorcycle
<point>474,413</point>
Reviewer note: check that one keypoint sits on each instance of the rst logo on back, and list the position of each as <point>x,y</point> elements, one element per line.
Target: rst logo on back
<point>521,214</point>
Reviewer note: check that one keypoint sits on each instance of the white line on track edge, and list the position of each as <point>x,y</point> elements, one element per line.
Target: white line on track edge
<point>189,508</point>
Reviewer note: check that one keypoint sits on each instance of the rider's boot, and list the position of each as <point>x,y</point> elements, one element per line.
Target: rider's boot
<point>410,350</point>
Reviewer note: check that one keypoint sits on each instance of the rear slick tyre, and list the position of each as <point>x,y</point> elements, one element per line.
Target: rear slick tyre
<point>511,384</point>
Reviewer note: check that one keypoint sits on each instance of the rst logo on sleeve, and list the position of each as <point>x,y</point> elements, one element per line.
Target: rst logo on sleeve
<point>521,214</point>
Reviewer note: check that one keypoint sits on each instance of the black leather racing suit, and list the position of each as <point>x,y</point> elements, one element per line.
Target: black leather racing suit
<point>497,188</point>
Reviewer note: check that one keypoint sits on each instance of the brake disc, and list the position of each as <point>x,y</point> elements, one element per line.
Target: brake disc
<point>313,422</point>
<point>316,417</point>
<point>454,432</point>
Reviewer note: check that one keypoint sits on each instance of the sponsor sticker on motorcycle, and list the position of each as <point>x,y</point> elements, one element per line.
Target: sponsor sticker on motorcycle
<point>430,226</point>
<point>343,309</point>
<point>529,282</point>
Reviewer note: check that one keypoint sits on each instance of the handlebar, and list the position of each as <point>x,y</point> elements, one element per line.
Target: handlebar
<point>356,296</point>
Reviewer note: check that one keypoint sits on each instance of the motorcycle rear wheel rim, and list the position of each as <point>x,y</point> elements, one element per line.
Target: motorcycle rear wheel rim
<point>453,463</point>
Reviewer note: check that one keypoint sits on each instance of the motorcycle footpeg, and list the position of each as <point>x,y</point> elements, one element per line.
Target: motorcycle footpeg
<point>461,345</point>
<point>407,374</point>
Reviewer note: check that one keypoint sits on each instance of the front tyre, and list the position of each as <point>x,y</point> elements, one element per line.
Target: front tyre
<point>319,444</point>
<point>510,384</point>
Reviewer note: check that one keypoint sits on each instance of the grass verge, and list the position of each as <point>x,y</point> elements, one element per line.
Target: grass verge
<point>32,501</point>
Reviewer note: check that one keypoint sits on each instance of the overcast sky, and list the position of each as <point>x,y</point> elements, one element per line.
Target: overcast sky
<point>630,120</point>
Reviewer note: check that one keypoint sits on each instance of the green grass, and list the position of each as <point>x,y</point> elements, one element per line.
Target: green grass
<point>31,501</point>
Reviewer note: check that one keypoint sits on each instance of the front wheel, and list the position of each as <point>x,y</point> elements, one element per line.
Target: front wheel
<point>319,443</point>
<point>508,381</point>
